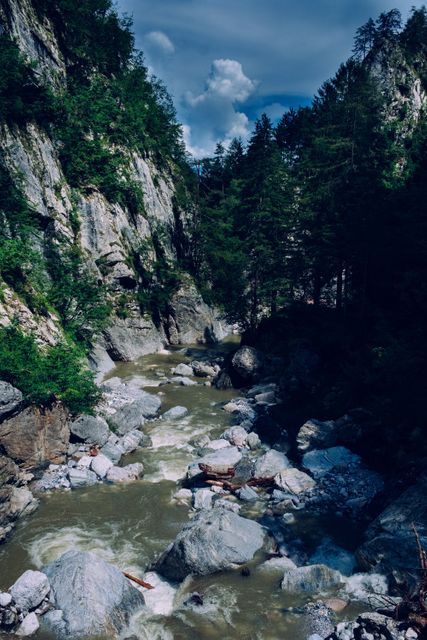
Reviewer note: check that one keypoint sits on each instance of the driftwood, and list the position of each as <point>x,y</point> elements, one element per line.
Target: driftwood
<point>253,482</point>
<point>141,583</point>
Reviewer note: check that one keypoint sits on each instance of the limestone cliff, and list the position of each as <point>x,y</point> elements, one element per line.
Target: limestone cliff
<point>109,234</point>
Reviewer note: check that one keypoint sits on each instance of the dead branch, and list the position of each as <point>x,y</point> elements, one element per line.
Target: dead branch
<point>141,583</point>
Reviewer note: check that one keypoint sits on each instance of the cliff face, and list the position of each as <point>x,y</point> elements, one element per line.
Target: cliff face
<point>109,234</point>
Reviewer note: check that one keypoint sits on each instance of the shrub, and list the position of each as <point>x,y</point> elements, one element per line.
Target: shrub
<point>58,373</point>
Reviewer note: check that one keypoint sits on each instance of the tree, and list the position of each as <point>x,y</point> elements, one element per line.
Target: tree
<point>364,40</point>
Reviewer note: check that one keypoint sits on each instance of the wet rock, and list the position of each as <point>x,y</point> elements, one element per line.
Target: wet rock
<point>315,434</point>
<point>318,463</point>
<point>175,413</point>
<point>237,436</point>
<point>247,362</point>
<point>311,579</point>
<point>220,461</point>
<point>277,565</point>
<point>184,381</point>
<point>28,626</point>
<point>125,407</point>
<point>294,481</point>
<point>213,541</point>
<point>204,370</point>
<point>131,441</point>
<point>82,478</point>
<point>247,494</point>
<point>203,499</point>
<point>30,590</point>
<point>183,370</point>
<point>10,399</point>
<point>335,557</point>
<point>318,619</point>
<point>270,464</point>
<point>130,473</point>
<point>101,464</point>
<point>95,597</point>
<point>91,429</point>
<point>36,435</point>
<point>391,543</point>
<point>253,441</point>
<point>5,599</point>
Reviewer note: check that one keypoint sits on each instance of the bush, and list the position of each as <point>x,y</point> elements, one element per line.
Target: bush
<point>58,373</point>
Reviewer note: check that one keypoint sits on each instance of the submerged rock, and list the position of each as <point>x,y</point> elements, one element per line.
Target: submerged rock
<point>95,597</point>
<point>214,540</point>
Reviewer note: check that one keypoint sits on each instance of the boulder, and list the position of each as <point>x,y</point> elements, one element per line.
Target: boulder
<point>113,449</point>
<point>125,407</point>
<point>183,370</point>
<point>5,599</point>
<point>237,436</point>
<point>125,474</point>
<point>30,590</point>
<point>204,370</point>
<point>294,481</point>
<point>215,445</point>
<point>22,502</point>
<point>220,460</point>
<point>213,541</point>
<point>81,478</point>
<point>132,441</point>
<point>91,429</point>
<point>247,362</point>
<point>277,565</point>
<point>247,494</point>
<point>311,579</point>
<point>175,413</point>
<point>101,464</point>
<point>270,464</point>
<point>10,399</point>
<point>319,463</point>
<point>315,434</point>
<point>37,435</point>
<point>28,626</point>
<point>95,597</point>
<point>203,499</point>
<point>253,441</point>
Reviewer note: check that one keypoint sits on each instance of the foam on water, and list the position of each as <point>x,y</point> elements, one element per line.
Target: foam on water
<point>159,600</point>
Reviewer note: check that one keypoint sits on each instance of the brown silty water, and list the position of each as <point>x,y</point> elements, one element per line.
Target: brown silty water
<point>129,525</point>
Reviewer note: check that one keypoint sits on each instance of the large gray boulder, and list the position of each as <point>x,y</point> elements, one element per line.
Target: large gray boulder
<point>270,464</point>
<point>247,362</point>
<point>315,434</point>
<point>30,590</point>
<point>214,540</point>
<point>125,407</point>
<point>294,481</point>
<point>95,597</point>
<point>10,399</point>
<point>91,429</point>
<point>319,463</point>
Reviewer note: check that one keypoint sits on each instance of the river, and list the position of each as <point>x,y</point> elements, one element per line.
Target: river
<point>129,525</point>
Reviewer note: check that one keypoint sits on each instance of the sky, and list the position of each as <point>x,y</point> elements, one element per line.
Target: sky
<point>225,62</point>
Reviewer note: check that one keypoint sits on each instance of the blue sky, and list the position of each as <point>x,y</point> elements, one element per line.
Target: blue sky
<point>227,61</point>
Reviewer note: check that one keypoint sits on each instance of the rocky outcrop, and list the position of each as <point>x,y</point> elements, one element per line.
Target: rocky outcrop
<point>36,435</point>
<point>214,540</point>
<point>10,399</point>
<point>95,598</point>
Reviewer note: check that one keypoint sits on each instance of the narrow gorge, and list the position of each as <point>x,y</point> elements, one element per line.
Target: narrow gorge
<point>212,372</point>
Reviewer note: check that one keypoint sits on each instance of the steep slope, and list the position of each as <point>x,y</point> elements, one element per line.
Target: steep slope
<point>121,242</point>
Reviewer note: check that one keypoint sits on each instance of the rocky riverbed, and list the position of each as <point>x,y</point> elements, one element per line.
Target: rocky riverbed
<point>172,482</point>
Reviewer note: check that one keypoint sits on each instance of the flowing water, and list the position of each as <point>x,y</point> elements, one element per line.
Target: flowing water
<point>129,525</point>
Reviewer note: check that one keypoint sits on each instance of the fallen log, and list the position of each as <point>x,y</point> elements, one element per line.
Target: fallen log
<point>141,583</point>
<point>254,482</point>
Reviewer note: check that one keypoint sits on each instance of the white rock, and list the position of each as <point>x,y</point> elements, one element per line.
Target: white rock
<point>236,436</point>
<point>30,589</point>
<point>277,565</point>
<point>270,464</point>
<point>203,499</point>
<point>5,599</point>
<point>183,370</point>
<point>82,477</point>
<point>183,494</point>
<point>28,626</point>
<point>294,481</point>
<point>101,464</point>
<point>125,474</point>
<point>215,445</point>
<point>84,462</point>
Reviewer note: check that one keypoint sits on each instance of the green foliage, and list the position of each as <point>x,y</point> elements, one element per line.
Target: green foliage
<point>76,294</point>
<point>58,373</point>
<point>21,96</point>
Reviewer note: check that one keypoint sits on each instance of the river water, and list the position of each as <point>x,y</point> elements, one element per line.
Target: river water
<point>129,525</point>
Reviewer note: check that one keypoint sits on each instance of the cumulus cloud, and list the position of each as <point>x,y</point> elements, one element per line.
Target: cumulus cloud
<point>212,113</point>
<point>159,42</point>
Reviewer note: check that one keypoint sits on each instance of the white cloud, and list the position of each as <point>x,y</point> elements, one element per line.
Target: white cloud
<point>159,41</point>
<point>212,114</point>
